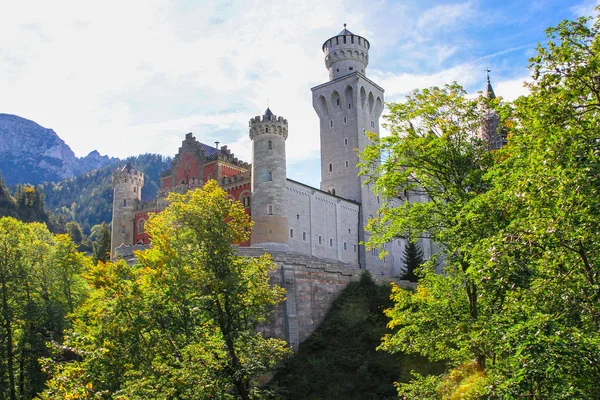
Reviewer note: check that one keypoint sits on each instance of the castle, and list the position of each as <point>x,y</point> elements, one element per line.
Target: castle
<point>314,234</point>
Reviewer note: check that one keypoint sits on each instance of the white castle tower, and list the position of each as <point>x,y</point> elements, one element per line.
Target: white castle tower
<point>349,106</point>
<point>127,184</point>
<point>268,134</point>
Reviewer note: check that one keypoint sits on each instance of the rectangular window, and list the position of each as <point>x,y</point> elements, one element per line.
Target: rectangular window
<point>345,119</point>
<point>330,242</point>
<point>320,239</point>
<point>304,236</point>
<point>270,209</point>
<point>270,145</point>
<point>331,124</point>
<point>344,245</point>
<point>350,106</point>
<point>124,203</point>
<point>291,233</point>
<point>355,248</point>
<point>345,141</point>
<point>337,101</point>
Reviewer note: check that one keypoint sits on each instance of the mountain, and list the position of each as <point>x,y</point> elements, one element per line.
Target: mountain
<point>30,153</point>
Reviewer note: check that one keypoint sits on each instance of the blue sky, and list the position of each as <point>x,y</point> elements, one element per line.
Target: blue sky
<point>128,77</point>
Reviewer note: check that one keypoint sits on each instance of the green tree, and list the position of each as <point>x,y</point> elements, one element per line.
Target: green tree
<point>74,232</point>
<point>413,259</point>
<point>516,312</point>
<point>101,242</point>
<point>182,322</point>
<point>39,285</point>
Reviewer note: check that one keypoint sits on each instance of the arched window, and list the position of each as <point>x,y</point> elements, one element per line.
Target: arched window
<point>344,245</point>
<point>304,236</point>
<point>345,141</point>
<point>141,224</point>
<point>330,242</point>
<point>291,233</point>
<point>320,239</point>
<point>330,167</point>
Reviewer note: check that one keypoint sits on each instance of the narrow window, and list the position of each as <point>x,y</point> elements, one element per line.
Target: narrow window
<point>320,239</point>
<point>124,203</point>
<point>347,164</point>
<point>267,130</point>
<point>270,177</point>
<point>355,248</point>
<point>330,242</point>
<point>345,119</point>
<point>372,252</point>
<point>337,40</point>
<point>349,106</point>
<point>330,167</point>
<point>377,199</point>
<point>123,229</point>
<point>270,209</point>
<point>344,39</point>
<point>352,39</point>
<point>345,141</point>
<point>345,246</point>
<point>135,189</point>
<point>270,145</point>
<point>337,70</point>
<point>291,233</point>
<point>364,131</point>
<point>304,236</point>
<point>372,124</point>
<point>333,192</point>
<point>331,123</point>
<point>337,101</point>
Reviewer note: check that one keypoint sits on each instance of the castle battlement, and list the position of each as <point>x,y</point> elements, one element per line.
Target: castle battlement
<point>268,124</point>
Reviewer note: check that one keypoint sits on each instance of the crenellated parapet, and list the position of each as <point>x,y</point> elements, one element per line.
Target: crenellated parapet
<point>346,53</point>
<point>268,124</point>
<point>128,175</point>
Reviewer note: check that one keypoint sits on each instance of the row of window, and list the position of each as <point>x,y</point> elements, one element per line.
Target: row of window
<point>320,239</point>
<point>331,124</point>
<point>346,163</point>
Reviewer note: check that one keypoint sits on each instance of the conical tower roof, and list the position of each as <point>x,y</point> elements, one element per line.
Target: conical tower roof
<point>489,90</point>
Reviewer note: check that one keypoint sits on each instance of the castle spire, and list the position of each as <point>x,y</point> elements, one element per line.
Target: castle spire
<point>489,91</point>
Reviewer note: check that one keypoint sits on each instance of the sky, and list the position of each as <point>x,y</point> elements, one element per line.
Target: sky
<point>131,77</point>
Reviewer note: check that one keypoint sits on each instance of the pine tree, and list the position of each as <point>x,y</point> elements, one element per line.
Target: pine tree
<point>102,244</point>
<point>412,258</point>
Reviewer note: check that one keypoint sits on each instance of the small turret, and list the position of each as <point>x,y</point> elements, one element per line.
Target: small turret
<point>127,183</point>
<point>346,53</point>
<point>268,134</point>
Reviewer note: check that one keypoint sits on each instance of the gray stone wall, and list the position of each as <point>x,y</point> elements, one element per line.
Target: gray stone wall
<point>321,224</point>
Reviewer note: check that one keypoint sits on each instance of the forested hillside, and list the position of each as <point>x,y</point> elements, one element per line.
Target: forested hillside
<point>341,361</point>
<point>87,198</point>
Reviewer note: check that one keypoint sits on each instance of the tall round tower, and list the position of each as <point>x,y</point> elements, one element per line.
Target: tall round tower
<point>268,134</point>
<point>127,184</point>
<point>346,53</point>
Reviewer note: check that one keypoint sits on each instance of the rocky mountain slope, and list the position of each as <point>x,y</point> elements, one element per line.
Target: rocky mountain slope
<point>30,153</point>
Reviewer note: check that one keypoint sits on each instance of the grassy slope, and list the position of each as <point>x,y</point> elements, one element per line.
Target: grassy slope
<point>340,361</point>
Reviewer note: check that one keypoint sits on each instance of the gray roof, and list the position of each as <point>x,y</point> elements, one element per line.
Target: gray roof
<point>345,32</point>
<point>209,151</point>
<point>268,113</point>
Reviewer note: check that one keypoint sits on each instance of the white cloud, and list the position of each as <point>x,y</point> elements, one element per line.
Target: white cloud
<point>445,15</point>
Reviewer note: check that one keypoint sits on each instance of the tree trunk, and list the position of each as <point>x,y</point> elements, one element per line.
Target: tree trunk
<point>9,343</point>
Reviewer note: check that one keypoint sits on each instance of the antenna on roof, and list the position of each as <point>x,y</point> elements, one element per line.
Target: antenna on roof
<point>217,145</point>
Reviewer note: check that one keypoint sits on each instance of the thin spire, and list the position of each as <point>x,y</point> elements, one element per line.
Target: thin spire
<point>489,91</point>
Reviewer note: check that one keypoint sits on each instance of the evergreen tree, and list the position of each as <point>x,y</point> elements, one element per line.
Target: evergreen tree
<point>8,208</point>
<point>413,259</point>
<point>101,244</point>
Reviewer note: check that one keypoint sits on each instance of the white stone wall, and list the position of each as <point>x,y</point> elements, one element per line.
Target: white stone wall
<point>311,214</point>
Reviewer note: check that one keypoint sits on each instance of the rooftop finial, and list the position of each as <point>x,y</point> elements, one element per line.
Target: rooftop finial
<point>489,91</point>
<point>488,70</point>
<point>344,25</point>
